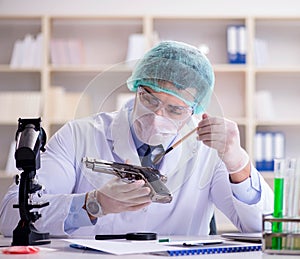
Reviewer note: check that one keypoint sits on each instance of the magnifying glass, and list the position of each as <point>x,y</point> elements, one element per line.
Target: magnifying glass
<point>129,236</point>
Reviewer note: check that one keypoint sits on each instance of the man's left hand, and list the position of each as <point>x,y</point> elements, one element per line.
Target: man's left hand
<point>223,135</point>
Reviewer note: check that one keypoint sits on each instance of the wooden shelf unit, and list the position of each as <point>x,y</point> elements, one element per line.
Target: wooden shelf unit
<point>105,41</point>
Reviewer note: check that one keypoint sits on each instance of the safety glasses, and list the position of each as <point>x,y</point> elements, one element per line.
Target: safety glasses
<point>153,103</point>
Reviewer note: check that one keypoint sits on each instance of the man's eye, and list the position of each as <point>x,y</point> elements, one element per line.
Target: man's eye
<point>178,110</point>
<point>152,100</point>
<point>145,98</point>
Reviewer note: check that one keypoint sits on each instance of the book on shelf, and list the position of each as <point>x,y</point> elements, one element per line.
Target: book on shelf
<point>16,57</point>
<point>268,146</point>
<point>67,52</point>
<point>27,52</point>
<point>236,44</point>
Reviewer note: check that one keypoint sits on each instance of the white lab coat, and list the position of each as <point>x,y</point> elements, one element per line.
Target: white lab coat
<point>197,179</point>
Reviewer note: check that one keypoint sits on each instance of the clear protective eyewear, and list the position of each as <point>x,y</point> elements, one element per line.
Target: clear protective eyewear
<point>153,103</point>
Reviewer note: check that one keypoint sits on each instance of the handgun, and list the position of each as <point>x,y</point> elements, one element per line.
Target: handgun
<point>130,173</point>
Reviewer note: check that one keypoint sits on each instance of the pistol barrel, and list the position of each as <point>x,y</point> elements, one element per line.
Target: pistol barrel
<point>98,165</point>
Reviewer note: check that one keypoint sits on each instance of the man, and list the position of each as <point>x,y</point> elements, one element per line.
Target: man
<point>173,82</point>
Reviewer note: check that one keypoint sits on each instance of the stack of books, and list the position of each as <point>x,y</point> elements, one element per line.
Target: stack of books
<point>27,52</point>
<point>67,52</point>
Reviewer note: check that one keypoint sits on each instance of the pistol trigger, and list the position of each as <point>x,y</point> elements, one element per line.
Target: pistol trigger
<point>126,180</point>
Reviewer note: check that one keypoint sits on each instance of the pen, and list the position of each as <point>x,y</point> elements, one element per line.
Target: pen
<point>201,242</point>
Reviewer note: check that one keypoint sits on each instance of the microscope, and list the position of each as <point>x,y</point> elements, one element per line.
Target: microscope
<point>30,140</point>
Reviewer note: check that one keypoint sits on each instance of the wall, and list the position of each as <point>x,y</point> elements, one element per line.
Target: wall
<point>174,7</point>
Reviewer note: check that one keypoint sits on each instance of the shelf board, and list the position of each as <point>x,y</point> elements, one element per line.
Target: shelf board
<point>290,122</point>
<point>201,17</point>
<point>125,68</point>
<point>7,68</point>
<point>239,120</point>
<point>278,69</point>
<point>20,17</point>
<point>95,17</point>
<point>10,122</point>
<point>4,175</point>
<point>58,121</point>
<point>267,174</point>
<point>230,67</point>
<point>91,68</point>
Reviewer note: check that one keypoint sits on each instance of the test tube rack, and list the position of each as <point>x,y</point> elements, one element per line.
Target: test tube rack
<point>287,241</point>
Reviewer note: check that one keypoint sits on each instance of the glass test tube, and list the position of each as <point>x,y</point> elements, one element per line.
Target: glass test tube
<point>290,197</point>
<point>279,169</point>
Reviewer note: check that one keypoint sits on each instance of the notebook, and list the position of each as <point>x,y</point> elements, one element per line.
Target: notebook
<point>124,247</point>
<point>247,237</point>
<point>213,249</point>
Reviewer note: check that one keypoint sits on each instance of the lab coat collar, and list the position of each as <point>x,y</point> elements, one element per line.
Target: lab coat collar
<point>181,155</point>
<point>121,137</point>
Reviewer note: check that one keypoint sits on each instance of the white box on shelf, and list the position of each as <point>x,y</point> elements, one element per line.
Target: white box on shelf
<point>56,103</point>
<point>10,168</point>
<point>260,52</point>
<point>136,47</point>
<point>66,106</point>
<point>77,105</point>
<point>264,108</point>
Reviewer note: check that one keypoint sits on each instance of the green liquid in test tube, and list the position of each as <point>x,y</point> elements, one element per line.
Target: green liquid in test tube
<point>278,207</point>
<point>279,167</point>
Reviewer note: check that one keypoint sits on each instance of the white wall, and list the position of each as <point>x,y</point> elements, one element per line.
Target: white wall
<point>142,7</point>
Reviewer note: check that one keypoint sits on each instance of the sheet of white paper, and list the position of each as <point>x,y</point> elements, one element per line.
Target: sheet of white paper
<point>122,247</point>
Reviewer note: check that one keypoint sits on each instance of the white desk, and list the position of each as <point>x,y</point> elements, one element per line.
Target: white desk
<point>62,250</point>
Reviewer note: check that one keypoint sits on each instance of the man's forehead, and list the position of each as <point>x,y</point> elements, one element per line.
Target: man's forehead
<point>168,87</point>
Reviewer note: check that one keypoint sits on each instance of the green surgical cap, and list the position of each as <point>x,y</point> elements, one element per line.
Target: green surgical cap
<point>178,69</point>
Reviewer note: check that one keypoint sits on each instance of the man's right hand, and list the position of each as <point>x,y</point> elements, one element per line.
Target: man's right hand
<point>117,196</point>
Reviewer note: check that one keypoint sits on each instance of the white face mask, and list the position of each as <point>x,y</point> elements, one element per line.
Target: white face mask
<point>153,129</point>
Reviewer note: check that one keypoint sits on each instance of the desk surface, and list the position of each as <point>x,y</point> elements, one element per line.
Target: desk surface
<point>61,249</point>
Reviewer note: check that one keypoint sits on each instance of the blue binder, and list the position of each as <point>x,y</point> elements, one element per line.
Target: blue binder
<point>236,44</point>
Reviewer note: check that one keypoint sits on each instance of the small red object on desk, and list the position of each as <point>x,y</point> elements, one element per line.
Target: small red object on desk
<point>20,250</point>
